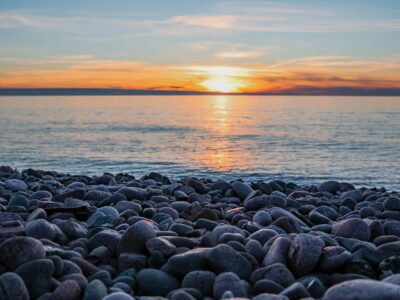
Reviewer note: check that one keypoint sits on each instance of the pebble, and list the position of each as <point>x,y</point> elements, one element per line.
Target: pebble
<point>202,281</point>
<point>228,282</point>
<point>329,186</point>
<point>304,253</point>
<point>352,228</point>
<point>20,250</point>
<point>156,282</point>
<point>119,237</point>
<point>41,229</point>
<point>135,237</point>
<point>37,276</point>
<point>224,258</point>
<point>15,185</point>
<point>67,290</point>
<point>363,289</point>
<point>13,287</point>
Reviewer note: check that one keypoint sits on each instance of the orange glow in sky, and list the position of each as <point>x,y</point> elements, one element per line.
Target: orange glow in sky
<point>315,72</point>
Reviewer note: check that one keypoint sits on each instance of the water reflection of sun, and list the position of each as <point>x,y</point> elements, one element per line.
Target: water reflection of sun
<point>221,154</point>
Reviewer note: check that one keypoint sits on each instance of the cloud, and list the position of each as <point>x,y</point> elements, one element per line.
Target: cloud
<point>199,46</point>
<point>237,54</point>
<point>224,17</point>
<point>211,21</point>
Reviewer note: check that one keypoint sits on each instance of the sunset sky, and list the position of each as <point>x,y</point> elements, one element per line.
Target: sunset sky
<point>221,46</point>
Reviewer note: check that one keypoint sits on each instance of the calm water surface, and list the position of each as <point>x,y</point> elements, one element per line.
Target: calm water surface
<point>306,139</point>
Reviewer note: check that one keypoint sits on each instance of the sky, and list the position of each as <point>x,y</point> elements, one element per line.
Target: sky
<point>187,45</point>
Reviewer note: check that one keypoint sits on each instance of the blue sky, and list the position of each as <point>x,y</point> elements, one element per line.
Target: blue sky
<point>55,34</point>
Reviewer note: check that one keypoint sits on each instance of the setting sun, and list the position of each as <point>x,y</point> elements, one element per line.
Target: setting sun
<point>221,84</point>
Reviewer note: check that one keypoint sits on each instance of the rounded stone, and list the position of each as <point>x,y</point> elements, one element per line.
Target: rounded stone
<point>391,203</point>
<point>41,229</point>
<point>363,289</point>
<point>13,287</point>
<point>224,258</point>
<point>352,228</point>
<point>263,235</point>
<point>202,281</point>
<point>329,186</point>
<point>135,237</point>
<point>277,272</point>
<point>95,290</point>
<point>37,276</point>
<point>19,200</point>
<point>241,189</point>
<point>181,264</point>
<point>333,258</point>
<point>267,286</point>
<point>118,296</point>
<point>304,253</point>
<point>392,227</point>
<point>267,296</point>
<point>162,245</point>
<point>19,250</point>
<point>228,282</point>
<point>262,217</point>
<point>278,251</point>
<point>296,291</point>
<point>67,290</point>
<point>156,283</point>
<point>15,185</point>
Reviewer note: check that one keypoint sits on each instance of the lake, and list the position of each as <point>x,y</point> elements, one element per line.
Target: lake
<point>306,139</point>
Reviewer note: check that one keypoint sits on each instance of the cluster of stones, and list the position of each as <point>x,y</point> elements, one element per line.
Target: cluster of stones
<point>115,237</point>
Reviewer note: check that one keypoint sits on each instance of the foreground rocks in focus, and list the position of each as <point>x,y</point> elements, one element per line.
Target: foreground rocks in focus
<point>118,237</point>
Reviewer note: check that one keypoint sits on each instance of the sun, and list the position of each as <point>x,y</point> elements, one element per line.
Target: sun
<point>221,84</point>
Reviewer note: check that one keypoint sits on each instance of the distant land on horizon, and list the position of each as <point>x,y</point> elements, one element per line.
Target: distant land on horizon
<point>307,91</point>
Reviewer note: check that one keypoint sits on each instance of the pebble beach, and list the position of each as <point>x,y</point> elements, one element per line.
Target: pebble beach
<point>119,237</point>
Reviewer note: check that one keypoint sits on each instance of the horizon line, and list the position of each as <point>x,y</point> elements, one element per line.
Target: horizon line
<point>305,91</point>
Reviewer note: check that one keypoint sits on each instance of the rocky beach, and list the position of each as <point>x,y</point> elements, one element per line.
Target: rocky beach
<point>117,237</point>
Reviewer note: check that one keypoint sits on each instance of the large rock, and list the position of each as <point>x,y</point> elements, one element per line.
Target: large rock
<point>304,253</point>
<point>329,186</point>
<point>352,228</point>
<point>67,290</point>
<point>19,250</point>
<point>15,185</point>
<point>162,245</point>
<point>13,287</point>
<point>135,237</point>
<point>37,276</point>
<point>133,193</point>
<point>259,202</point>
<point>202,281</point>
<point>118,296</point>
<point>156,283</point>
<point>228,282</point>
<point>278,273</point>
<point>95,290</point>
<point>278,252</point>
<point>241,189</point>
<point>41,229</point>
<point>363,289</point>
<point>224,258</point>
<point>333,258</point>
<point>186,262</point>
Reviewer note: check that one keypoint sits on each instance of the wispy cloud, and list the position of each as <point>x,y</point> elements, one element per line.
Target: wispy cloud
<point>239,54</point>
<point>212,21</point>
<point>199,46</point>
<point>226,17</point>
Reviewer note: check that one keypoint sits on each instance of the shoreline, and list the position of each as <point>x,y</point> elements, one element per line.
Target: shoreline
<point>121,237</point>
